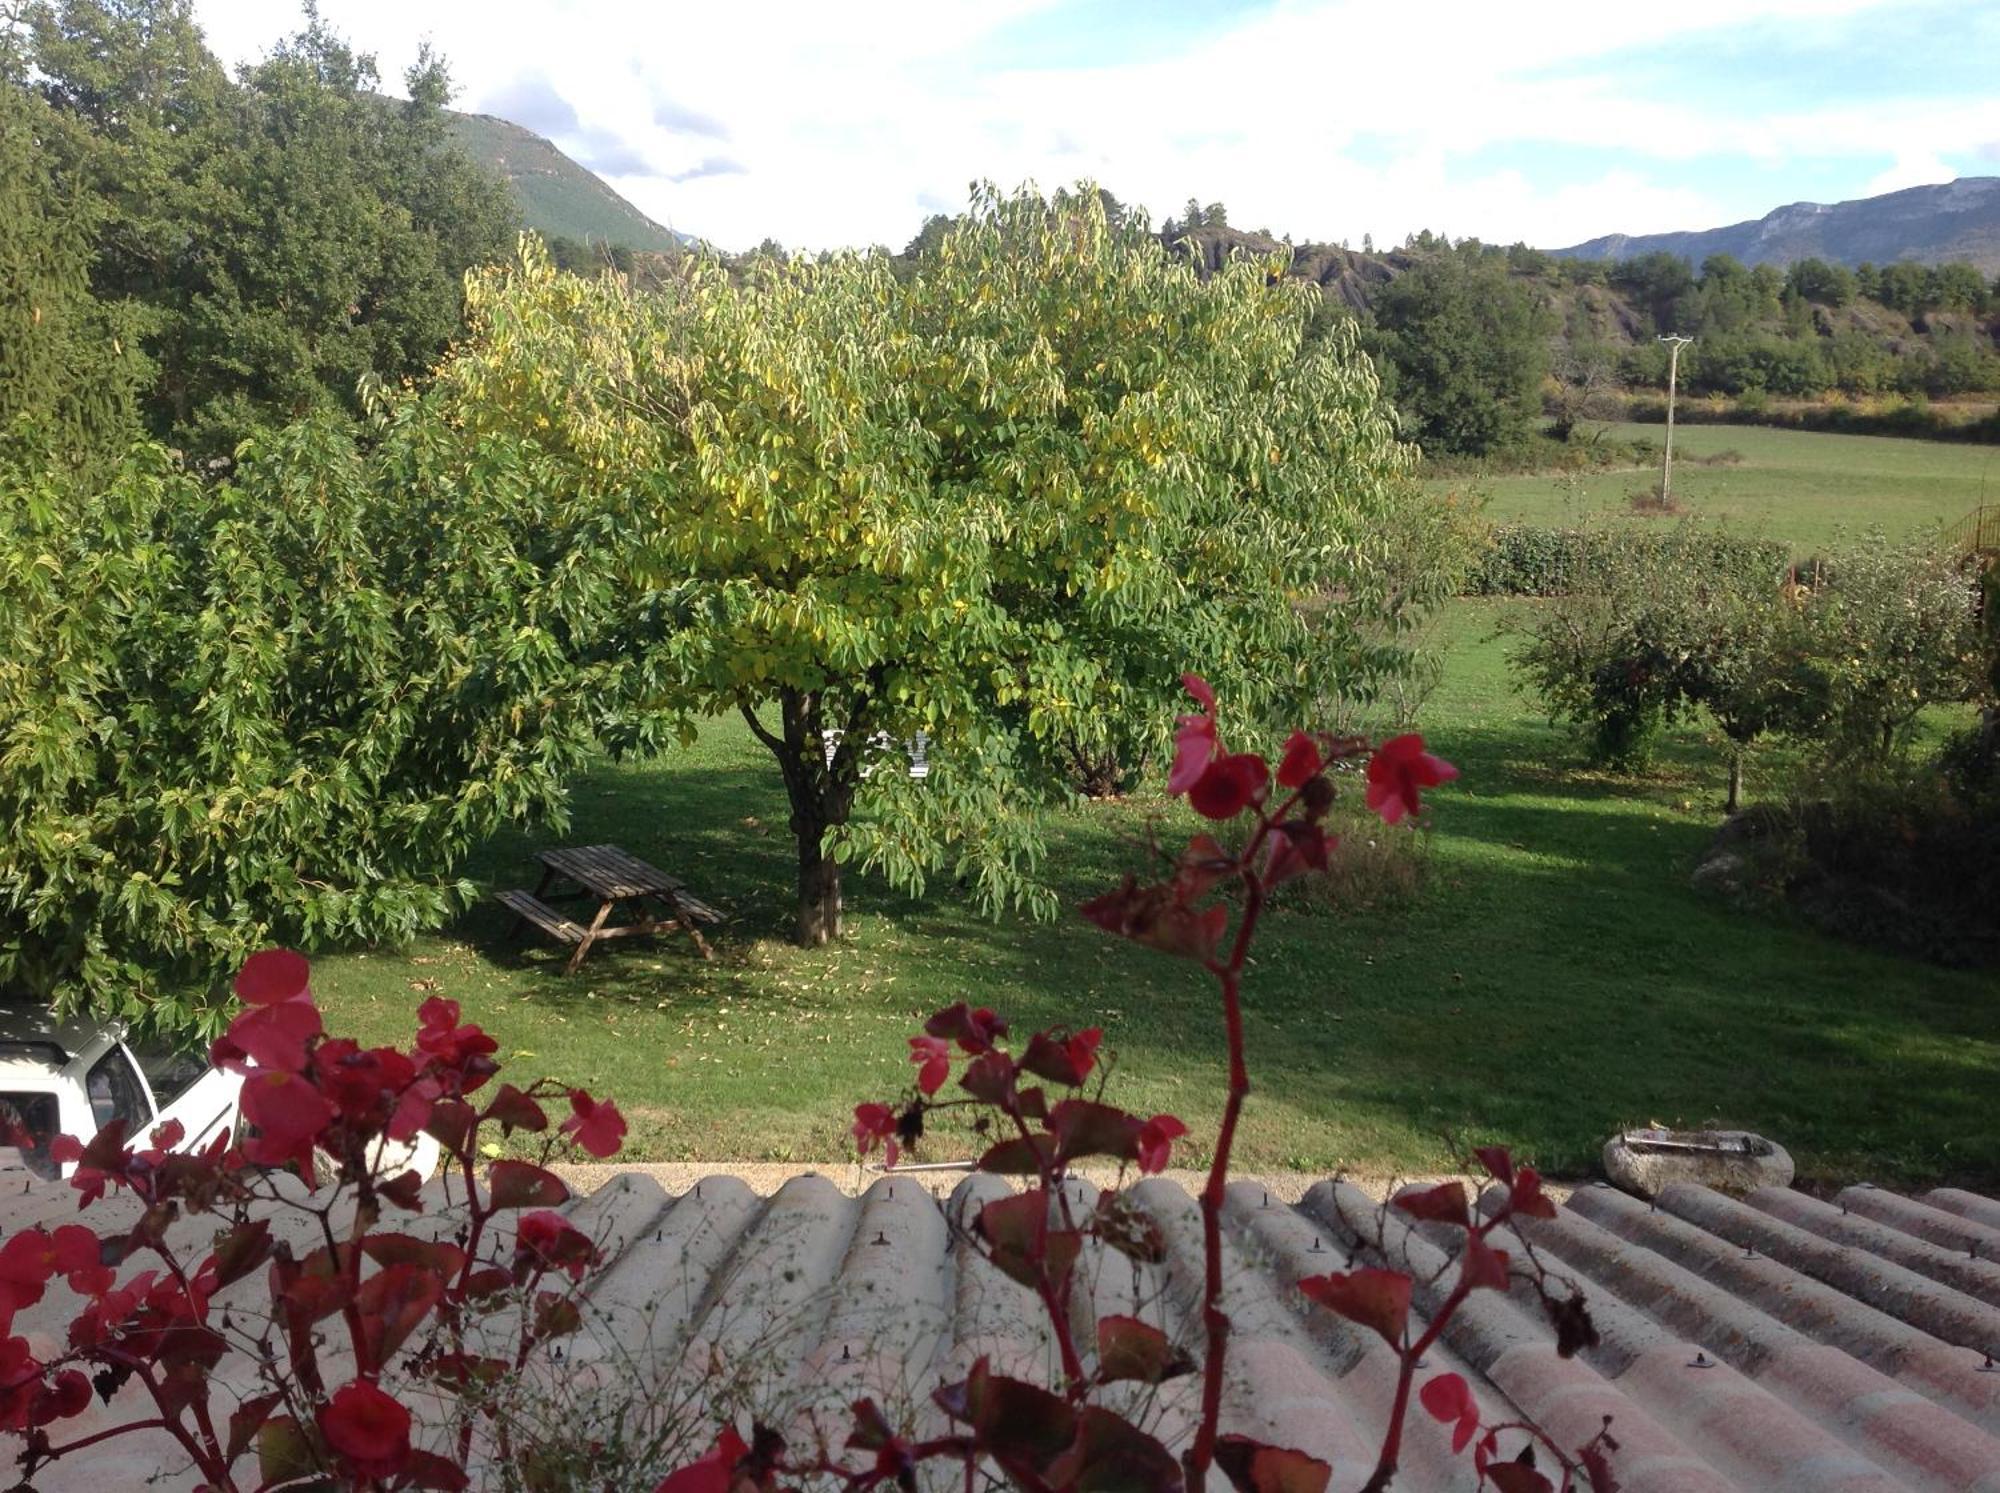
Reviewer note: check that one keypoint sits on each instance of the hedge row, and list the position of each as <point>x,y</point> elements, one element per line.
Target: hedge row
<point>1537,560</point>
<point>1916,418</point>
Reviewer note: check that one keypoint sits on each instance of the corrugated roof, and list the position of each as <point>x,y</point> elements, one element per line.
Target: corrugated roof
<point>1774,1343</point>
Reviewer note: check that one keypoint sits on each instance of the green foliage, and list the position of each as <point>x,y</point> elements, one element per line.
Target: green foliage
<point>276,239</point>
<point>280,708</point>
<point>1843,659</point>
<point>67,363</point>
<point>1540,560</point>
<point>1002,498</point>
<point>1464,347</point>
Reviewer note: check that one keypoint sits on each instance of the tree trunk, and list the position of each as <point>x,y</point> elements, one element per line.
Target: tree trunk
<point>820,784</point>
<point>819,882</point>
<point>1735,780</point>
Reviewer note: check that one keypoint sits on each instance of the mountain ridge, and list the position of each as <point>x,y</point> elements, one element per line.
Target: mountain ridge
<point>557,196</point>
<point>1957,220</point>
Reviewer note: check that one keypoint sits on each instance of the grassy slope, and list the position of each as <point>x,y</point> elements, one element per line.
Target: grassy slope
<point>1557,980</point>
<point>556,195</point>
<point>1801,485</point>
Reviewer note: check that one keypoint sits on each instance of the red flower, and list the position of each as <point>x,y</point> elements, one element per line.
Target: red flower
<point>466,1050</point>
<point>270,1037</point>
<point>1301,761</point>
<point>712,1471</point>
<point>876,1123</point>
<point>1156,1142</point>
<point>1230,785</point>
<point>598,1128</point>
<point>272,976</point>
<point>370,1431</point>
<point>932,1055</point>
<point>1397,773</point>
<point>1194,737</point>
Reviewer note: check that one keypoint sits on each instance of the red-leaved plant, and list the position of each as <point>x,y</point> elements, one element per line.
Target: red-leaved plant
<point>1033,1104</point>
<point>347,1310</point>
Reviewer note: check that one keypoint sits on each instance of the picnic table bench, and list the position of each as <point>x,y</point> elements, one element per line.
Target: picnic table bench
<point>613,877</point>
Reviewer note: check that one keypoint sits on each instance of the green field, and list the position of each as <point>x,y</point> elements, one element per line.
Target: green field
<point>1555,979</point>
<point>1796,485</point>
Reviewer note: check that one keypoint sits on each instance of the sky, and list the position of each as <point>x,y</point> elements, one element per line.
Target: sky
<point>823,123</point>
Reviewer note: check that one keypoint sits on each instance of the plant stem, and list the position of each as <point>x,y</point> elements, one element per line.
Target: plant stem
<point>1215,1321</point>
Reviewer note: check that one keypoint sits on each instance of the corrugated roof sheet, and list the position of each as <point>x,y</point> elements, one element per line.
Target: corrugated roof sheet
<point>1775,1343</point>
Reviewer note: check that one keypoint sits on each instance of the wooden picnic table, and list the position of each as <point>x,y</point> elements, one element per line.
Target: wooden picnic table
<point>614,878</point>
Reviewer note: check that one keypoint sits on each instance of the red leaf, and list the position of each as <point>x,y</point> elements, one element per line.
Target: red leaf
<point>392,1303</point>
<point>521,1184</point>
<point>367,1429</point>
<point>1483,1265</point>
<point>1197,686</point>
<point>712,1471</point>
<point>932,1055</point>
<point>1498,1163</point>
<point>268,1037</point>
<point>1597,1467</point>
<point>1517,1477</point>
<point>274,975</point>
<point>1444,1203</point>
<point>1021,1242</point>
<point>1526,1196</point>
<point>1300,762</point>
<point>441,1259</point>
<point>516,1111</point>
<point>1111,1455</point>
<point>1066,1059</point>
<point>1024,1427</point>
<point>1256,1468</point>
<point>1157,917</point>
<point>1201,866</point>
<point>1156,1143</point>
<point>1128,1348</point>
<point>1379,1299</point>
<point>1083,1127</point>
<point>1020,1157</point>
<point>1450,1401</point>
<point>973,1030</point>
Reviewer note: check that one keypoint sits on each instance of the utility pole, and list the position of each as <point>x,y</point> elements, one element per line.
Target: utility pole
<point>1675,343</point>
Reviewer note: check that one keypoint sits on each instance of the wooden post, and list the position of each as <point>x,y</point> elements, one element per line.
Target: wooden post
<point>1674,344</point>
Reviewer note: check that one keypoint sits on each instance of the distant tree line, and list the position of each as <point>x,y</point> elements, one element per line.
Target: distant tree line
<point>199,256</point>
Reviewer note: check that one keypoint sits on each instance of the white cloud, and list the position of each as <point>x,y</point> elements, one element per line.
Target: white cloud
<point>1326,118</point>
<point>1912,169</point>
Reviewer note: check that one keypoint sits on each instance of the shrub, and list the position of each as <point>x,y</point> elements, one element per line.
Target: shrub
<point>314,1372</point>
<point>1538,560</point>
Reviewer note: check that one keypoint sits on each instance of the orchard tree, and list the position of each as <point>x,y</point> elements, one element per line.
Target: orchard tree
<point>1001,502</point>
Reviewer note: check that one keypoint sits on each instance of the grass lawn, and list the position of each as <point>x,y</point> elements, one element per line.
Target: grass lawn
<point>1555,979</point>
<point>1804,486</point>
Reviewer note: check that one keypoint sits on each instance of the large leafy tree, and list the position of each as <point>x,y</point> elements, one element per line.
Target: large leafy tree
<point>280,236</point>
<point>67,363</point>
<point>1465,346</point>
<point>281,706</point>
<point>1002,501</point>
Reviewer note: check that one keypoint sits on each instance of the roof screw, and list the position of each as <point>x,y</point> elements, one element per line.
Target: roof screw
<point>1267,1200</point>
<point>1989,1367</point>
<point>1700,1360</point>
<point>845,1356</point>
<point>880,1238</point>
<point>697,1191</point>
<point>1749,1251</point>
<point>556,1353</point>
<point>1315,1249</point>
<point>889,1193</point>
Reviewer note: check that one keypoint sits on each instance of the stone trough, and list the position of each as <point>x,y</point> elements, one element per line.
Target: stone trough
<point>1729,1161</point>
